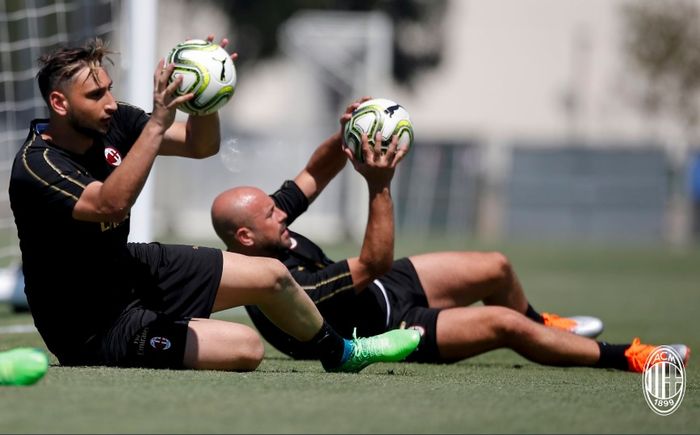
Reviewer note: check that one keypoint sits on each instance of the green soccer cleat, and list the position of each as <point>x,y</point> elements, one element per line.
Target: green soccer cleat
<point>22,366</point>
<point>391,346</point>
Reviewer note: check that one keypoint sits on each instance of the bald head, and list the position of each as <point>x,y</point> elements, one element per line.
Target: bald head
<point>234,209</point>
<point>247,221</point>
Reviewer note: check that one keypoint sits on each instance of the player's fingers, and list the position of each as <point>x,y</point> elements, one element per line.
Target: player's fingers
<point>223,43</point>
<point>164,77</point>
<point>400,154</point>
<point>367,149</point>
<point>355,104</point>
<point>234,56</point>
<point>391,149</point>
<point>378,144</point>
<point>348,152</point>
<point>354,159</point>
<point>179,100</point>
<point>159,70</point>
<point>210,37</point>
<point>344,118</point>
<point>172,87</point>
<point>393,145</point>
<point>351,107</point>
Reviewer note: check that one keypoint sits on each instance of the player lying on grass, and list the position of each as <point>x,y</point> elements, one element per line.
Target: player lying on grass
<point>430,293</point>
<point>98,300</point>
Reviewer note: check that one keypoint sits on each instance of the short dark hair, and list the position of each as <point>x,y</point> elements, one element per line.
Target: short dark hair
<point>61,65</point>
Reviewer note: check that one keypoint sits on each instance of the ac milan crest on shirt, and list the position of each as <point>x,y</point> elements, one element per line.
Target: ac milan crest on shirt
<point>112,156</point>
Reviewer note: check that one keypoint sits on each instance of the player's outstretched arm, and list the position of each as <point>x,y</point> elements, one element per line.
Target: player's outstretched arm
<point>377,253</point>
<point>327,160</point>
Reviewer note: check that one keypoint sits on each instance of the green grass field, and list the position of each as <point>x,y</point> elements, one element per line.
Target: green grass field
<point>649,292</point>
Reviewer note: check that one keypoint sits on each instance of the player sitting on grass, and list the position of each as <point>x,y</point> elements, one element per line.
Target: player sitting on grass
<point>97,299</point>
<point>431,293</point>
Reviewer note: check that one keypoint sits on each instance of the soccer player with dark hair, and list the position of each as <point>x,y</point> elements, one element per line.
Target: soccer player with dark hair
<point>430,293</point>
<point>97,299</point>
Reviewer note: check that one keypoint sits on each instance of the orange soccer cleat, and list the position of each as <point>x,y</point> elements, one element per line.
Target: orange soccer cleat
<point>585,326</point>
<point>638,353</point>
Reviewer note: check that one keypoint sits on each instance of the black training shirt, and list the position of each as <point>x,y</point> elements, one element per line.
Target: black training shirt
<point>72,268</point>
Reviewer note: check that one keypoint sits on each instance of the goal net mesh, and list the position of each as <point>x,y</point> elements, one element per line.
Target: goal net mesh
<point>28,29</point>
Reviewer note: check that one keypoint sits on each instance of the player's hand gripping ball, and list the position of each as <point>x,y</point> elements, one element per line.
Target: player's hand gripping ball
<point>372,116</point>
<point>207,71</point>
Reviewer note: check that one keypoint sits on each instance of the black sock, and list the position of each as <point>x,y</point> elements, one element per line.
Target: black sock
<point>534,315</point>
<point>612,356</point>
<point>330,346</point>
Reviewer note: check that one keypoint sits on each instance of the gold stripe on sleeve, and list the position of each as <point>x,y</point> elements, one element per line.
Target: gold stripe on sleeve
<point>72,180</point>
<point>35,175</point>
<point>329,280</point>
<point>330,295</point>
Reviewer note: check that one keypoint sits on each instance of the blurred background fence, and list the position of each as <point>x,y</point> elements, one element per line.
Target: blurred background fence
<point>601,195</point>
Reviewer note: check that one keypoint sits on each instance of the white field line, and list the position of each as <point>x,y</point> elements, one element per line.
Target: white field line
<point>17,329</point>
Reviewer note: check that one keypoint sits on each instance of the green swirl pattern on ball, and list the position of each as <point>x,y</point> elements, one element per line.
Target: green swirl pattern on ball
<point>353,132</point>
<point>202,77</point>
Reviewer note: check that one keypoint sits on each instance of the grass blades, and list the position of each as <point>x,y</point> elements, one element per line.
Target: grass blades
<point>653,293</point>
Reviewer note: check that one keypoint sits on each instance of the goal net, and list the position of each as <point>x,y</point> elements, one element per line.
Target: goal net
<point>29,28</point>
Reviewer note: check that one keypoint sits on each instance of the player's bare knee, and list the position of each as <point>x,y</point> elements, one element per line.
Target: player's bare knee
<point>278,280</point>
<point>249,351</point>
<point>244,349</point>
<point>284,283</point>
<point>219,345</point>
<point>501,268</point>
<point>509,325</point>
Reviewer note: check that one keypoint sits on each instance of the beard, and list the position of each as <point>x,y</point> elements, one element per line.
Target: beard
<point>83,129</point>
<point>273,248</point>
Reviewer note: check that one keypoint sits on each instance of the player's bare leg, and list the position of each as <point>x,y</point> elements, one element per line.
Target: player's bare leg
<point>468,331</point>
<point>265,282</point>
<point>218,345</point>
<point>459,279</point>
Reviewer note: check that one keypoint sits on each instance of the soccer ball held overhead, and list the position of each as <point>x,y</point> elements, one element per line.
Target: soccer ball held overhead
<point>207,71</point>
<point>375,115</point>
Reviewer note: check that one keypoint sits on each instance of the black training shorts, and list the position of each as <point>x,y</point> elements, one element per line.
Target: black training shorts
<point>173,283</point>
<point>409,309</point>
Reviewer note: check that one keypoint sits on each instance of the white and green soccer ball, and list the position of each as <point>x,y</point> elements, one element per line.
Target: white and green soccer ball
<point>207,71</point>
<point>378,114</point>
